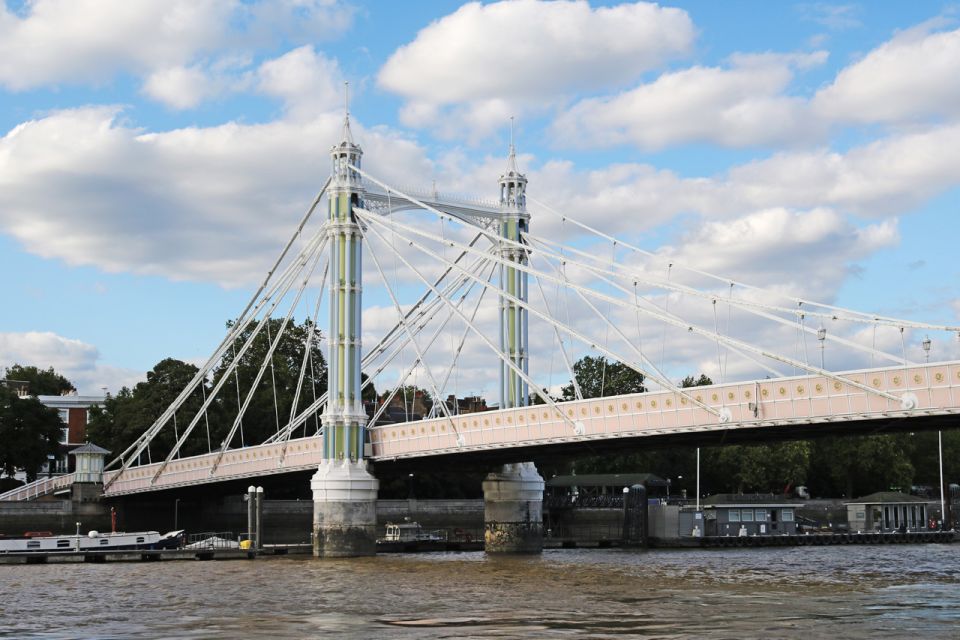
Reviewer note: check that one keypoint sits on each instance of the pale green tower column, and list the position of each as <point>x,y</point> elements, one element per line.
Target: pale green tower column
<point>513,495</point>
<point>344,491</point>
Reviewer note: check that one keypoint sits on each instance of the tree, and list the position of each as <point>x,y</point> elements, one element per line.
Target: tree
<point>40,382</point>
<point>29,432</point>
<point>690,381</point>
<point>124,417</point>
<point>854,466</point>
<point>272,400</point>
<point>600,377</point>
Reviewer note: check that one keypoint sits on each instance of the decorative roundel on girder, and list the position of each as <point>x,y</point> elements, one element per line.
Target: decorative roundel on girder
<point>668,402</point>
<point>545,415</point>
<point>683,401</point>
<point>836,386</point>
<point>918,378</point>
<point>765,392</point>
<point>876,382</point>
<point>730,395</point>
<point>699,398</point>
<point>569,413</point>
<point>897,380</point>
<point>403,433</point>
<point>509,420</point>
<point>783,391</point>
<point>433,428</point>
<point>486,422</point>
<point>800,388</point>
<point>819,387</point>
<point>938,377</point>
<point>610,408</point>
<point>958,374</point>
<point>497,420</point>
<point>714,397</point>
<point>596,410</point>
<point>653,403</point>
<point>583,411</point>
<point>623,406</point>
<point>443,427</point>
<point>475,423</point>
<point>746,394</point>
<point>639,405</point>
<point>520,418</point>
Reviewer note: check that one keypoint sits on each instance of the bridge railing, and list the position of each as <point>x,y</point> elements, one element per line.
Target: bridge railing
<point>260,460</point>
<point>39,488</point>
<point>771,402</point>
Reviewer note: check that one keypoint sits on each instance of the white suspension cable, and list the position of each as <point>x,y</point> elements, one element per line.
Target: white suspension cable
<point>689,327</point>
<point>578,430</point>
<point>859,315</point>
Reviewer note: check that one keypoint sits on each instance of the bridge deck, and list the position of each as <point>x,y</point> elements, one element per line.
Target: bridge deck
<point>771,403</point>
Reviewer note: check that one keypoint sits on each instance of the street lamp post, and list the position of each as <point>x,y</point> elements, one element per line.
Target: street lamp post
<point>176,513</point>
<point>822,337</point>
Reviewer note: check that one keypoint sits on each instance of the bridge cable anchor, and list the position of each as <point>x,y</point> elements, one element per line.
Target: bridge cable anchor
<point>909,402</point>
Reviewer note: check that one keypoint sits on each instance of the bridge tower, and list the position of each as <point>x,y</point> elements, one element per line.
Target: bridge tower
<point>344,491</point>
<point>513,496</point>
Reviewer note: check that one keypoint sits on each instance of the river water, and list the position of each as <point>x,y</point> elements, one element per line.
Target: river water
<point>898,591</point>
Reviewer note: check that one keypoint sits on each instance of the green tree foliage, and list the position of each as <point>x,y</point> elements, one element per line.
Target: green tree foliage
<point>599,377</point>
<point>690,381</point>
<point>409,400</point>
<point>29,432</point>
<point>857,465</point>
<point>273,397</point>
<point>125,416</point>
<point>42,382</point>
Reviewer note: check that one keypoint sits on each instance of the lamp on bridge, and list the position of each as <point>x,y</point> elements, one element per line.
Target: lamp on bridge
<point>926,347</point>
<point>822,337</point>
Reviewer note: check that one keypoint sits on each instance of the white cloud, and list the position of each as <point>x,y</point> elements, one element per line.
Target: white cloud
<point>831,16</point>
<point>78,361</point>
<point>211,204</point>
<point>739,106</point>
<point>805,252</point>
<point>491,60</point>
<point>891,176</point>
<point>308,82</point>
<point>84,41</point>
<point>180,87</point>
<point>914,75</point>
<point>174,43</point>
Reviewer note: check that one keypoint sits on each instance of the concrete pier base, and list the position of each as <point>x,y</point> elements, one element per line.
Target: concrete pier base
<point>513,510</point>
<point>344,510</point>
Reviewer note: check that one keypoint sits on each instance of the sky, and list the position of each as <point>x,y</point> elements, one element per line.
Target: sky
<point>156,155</point>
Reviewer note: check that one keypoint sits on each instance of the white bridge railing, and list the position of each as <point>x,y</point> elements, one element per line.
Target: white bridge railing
<point>38,488</point>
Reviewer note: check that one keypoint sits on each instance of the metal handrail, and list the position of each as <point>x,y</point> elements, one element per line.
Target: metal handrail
<point>39,488</point>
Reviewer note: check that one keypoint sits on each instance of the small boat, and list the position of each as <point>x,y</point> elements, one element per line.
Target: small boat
<point>411,532</point>
<point>93,541</point>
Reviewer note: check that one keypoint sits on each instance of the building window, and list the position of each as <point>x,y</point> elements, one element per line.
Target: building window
<point>746,515</point>
<point>760,515</point>
<point>733,515</point>
<point>787,515</point>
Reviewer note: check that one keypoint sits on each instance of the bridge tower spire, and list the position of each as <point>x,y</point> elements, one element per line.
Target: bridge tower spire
<point>514,221</point>
<point>344,492</point>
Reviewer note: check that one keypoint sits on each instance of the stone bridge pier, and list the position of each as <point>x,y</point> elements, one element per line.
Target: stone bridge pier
<point>513,510</point>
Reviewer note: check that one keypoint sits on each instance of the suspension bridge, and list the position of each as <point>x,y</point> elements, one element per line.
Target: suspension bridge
<point>456,273</point>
